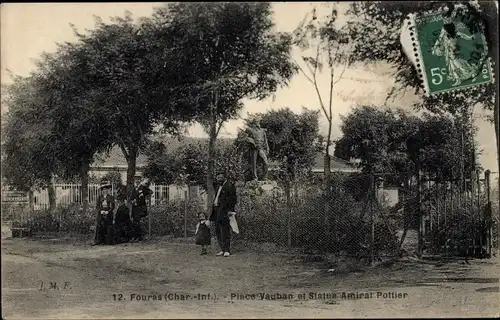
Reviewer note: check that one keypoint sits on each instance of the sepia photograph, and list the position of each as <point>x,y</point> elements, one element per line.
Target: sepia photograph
<point>250,160</point>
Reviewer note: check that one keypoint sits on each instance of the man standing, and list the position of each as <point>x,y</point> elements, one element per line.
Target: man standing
<point>140,209</point>
<point>224,202</point>
<point>123,223</point>
<point>260,148</point>
<point>105,209</point>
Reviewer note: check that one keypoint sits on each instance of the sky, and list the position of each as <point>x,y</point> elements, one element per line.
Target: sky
<point>28,29</point>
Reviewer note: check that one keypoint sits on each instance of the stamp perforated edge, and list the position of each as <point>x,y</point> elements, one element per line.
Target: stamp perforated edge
<point>417,51</point>
<point>418,54</point>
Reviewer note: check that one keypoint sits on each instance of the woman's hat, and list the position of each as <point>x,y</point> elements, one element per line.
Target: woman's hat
<point>105,185</point>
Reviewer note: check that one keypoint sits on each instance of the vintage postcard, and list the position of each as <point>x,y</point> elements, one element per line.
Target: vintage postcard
<point>250,160</point>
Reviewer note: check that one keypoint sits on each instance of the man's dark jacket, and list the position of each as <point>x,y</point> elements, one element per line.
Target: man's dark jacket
<point>227,202</point>
<point>140,209</point>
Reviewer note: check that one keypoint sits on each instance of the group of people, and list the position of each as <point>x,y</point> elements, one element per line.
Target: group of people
<point>115,224</point>
<point>114,221</point>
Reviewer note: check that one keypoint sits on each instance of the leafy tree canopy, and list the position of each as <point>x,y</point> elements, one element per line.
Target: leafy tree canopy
<point>391,141</point>
<point>292,135</point>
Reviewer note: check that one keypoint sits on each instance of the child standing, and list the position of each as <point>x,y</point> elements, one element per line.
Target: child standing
<point>203,237</point>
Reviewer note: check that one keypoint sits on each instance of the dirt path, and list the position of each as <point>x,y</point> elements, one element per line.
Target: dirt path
<point>100,282</point>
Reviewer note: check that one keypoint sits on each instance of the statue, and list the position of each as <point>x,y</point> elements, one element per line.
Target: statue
<point>258,148</point>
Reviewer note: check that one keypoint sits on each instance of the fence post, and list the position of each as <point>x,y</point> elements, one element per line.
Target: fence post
<point>31,202</point>
<point>185,213</point>
<point>372,220</point>
<point>420,215</point>
<point>289,211</point>
<point>149,223</point>
<point>487,187</point>
<point>445,222</point>
<point>478,206</point>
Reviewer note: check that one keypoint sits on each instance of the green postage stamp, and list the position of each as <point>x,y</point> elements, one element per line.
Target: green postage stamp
<point>451,52</point>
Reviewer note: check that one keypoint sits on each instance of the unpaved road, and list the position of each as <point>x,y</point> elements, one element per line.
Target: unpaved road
<point>92,275</point>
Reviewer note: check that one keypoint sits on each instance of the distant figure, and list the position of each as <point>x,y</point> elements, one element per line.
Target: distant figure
<point>139,209</point>
<point>203,237</point>
<point>104,220</point>
<point>224,203</point>
<point>259,147</point>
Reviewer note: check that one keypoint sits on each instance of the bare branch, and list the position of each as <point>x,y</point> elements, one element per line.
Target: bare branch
<point>341,73</point>
<point>346,64</point>
<point>314,83</point>
<point>316,62</point>
<point>219,126</point>
<point>313,71</point>
<point>331,97</point>
<point>303,72</point>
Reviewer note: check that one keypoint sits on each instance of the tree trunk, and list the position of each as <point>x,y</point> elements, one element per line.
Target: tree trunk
<point>31,200</point>
<point>327,171</point>
<point>52,195</point>
<point>84,176</point>
<point>131,169</point>
<point>211,163</point>
<point>327,165</point>
<point>211,149</point>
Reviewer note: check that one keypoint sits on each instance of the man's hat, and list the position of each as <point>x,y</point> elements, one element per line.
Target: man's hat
<point>105,185</point>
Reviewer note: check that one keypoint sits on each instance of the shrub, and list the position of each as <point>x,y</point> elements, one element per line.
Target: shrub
<point>168,219</point>
<point>262,218</point>
<point>74,220</point>
<point>42,223</point>
<point>327,222</point>
<point>465,227</point>
<point>69,219</point>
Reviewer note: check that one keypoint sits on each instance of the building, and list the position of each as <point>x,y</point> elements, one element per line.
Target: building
<point>115,161</point>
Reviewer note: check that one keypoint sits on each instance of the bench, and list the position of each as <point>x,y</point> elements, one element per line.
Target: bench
<point>20,232</point>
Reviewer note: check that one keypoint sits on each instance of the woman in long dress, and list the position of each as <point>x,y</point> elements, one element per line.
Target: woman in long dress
<point>459,69</point>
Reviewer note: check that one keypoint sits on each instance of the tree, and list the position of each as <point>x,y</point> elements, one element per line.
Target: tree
<point>80,130</point>
<point>293,136</point>
<point>394,142</point>
<point>377,137</point>
<point>329,47</point>
<point>75,129</point>
<point>131,77</point>
<point>114,177</point>
<point>26,164</point>
<point>187,164</point>
<point>184,165</point>
<point>379,30</point>
<point>231,53</point>
<point>162,164</point>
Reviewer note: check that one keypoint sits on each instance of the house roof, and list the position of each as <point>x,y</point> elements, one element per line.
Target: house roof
<point>115,158</point>
<point>336,164</point>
